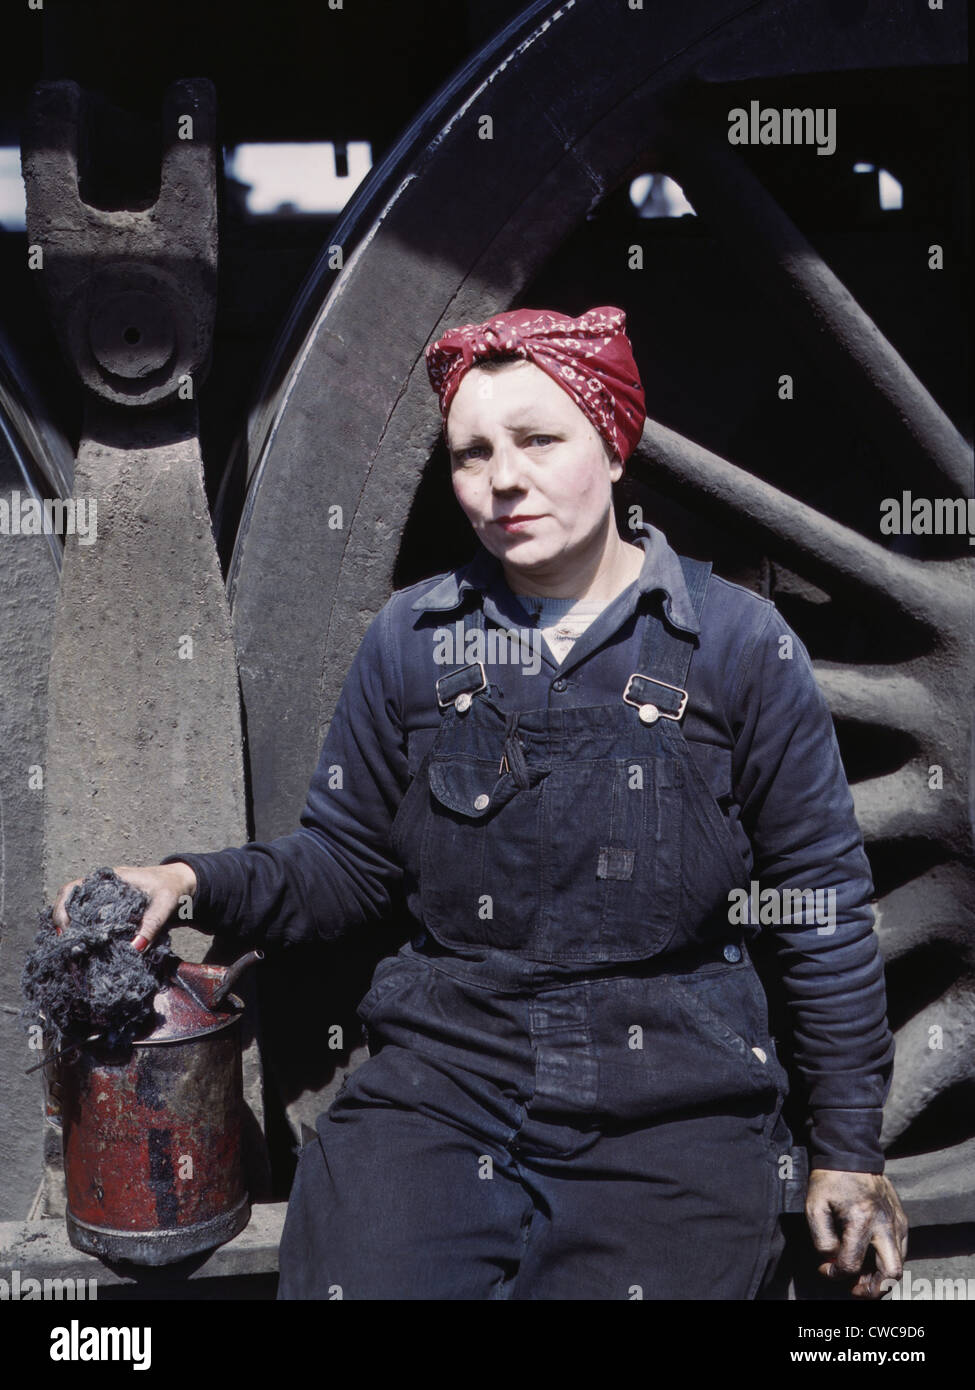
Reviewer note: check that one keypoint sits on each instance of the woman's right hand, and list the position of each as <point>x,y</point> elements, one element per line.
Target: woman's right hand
<point>163,884</point>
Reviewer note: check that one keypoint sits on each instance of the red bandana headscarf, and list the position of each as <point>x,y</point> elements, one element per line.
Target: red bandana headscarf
<point>590,357</point>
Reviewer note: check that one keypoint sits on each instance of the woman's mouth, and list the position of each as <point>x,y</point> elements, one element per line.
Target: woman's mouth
<point>515,523</point>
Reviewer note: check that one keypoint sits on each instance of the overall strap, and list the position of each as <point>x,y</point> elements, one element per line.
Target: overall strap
<point>657,688</point>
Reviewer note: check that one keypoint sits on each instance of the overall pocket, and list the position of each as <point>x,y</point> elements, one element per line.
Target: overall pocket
<point>610,855</point>
<point>478,859</point>
<point>671,1044</point>
<point>731,1006</point>
<point>390,974</point>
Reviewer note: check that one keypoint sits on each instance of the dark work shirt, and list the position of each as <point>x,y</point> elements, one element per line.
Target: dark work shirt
<point>759,729</point>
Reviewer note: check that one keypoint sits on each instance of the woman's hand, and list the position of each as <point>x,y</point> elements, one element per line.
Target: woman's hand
<point>163,884</point>
<point>848,1213</point>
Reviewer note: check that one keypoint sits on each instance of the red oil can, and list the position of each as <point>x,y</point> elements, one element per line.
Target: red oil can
<point>152,1152</point>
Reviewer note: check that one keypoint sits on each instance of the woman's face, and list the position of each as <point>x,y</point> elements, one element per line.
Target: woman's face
<point>529,470</point>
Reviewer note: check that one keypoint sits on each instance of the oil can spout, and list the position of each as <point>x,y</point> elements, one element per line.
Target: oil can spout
<point>233,974</point>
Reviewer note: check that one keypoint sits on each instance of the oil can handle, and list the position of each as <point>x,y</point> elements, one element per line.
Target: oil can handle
<point>233,974</point>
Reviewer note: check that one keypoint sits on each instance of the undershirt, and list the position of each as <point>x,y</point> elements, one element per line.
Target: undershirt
<point>561,621</point>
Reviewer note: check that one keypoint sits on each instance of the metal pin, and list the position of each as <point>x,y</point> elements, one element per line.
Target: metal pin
<point>68,1047</point>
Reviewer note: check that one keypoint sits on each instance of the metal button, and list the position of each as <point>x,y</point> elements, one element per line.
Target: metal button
<point>760,1053</point>
<point>732,953</point>
<point>649,714</point>
<point>462,702</point>
<point>481,801</point>
<point>559,684</point>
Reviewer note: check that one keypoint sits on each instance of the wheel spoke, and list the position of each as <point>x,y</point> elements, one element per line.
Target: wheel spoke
<point>931,594</point>
<point>741,211</point>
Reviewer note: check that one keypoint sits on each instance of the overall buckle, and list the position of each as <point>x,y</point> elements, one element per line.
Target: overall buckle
<point>461,697</point>
<point>650,713</point>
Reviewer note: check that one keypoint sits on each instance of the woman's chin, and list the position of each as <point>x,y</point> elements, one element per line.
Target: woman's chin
<point>507,545</point>
<point>527,556</point>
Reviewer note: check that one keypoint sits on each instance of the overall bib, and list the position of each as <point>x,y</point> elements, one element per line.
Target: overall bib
<point>572,1092</point>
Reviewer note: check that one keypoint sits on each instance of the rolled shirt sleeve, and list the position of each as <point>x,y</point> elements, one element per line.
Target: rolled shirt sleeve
<point>797,810</point>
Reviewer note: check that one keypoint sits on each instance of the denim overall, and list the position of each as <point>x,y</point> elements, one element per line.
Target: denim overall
<point>572,1092</point>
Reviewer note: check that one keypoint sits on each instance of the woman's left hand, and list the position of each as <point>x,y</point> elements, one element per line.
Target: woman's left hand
<point>848,1213</point>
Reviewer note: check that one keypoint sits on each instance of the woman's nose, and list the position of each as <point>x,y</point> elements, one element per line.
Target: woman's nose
<point>506,471</point>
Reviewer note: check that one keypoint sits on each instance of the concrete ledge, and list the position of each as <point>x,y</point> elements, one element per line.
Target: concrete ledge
<point>41,1250</point>
<point>943,1241</point>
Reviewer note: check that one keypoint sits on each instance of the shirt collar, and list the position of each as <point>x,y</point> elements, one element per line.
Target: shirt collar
<point>661,572</point>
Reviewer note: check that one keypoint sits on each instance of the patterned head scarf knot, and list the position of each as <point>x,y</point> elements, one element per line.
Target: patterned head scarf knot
<point>589,357</point>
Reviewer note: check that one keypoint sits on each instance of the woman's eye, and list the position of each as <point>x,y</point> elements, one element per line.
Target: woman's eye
<point>542,439</point>
<point>466,455</point>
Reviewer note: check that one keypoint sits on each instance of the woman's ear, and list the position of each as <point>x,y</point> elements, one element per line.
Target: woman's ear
<point>612,457</point>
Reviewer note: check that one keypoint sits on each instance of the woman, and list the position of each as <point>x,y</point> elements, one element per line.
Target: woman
<point>573,1092</point>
